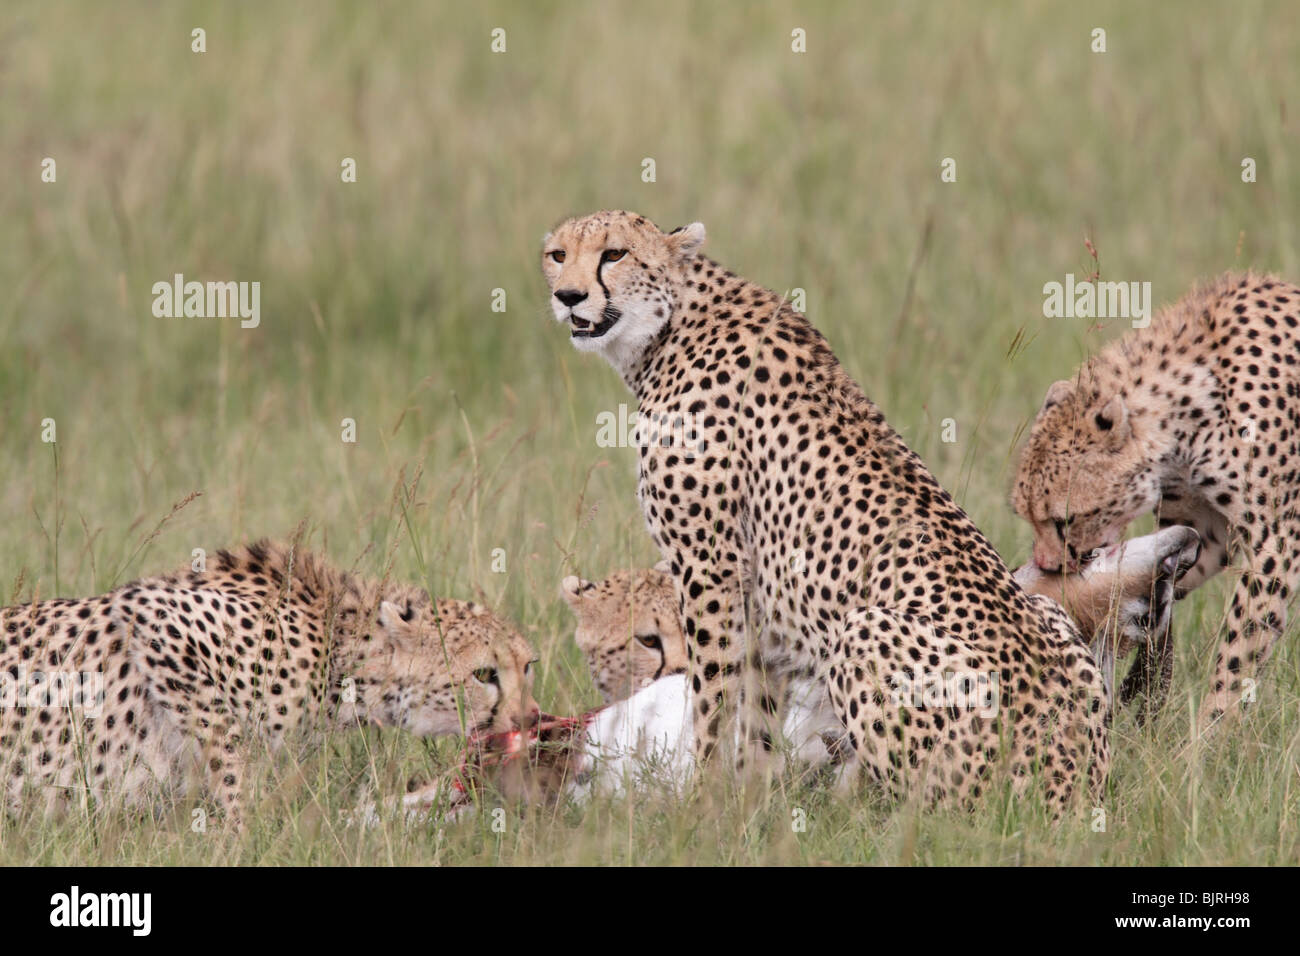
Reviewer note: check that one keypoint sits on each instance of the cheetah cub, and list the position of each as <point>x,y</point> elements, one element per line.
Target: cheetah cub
<point>627,628</point>
<point>1196,418</point>
<point>266,642</point>
<point>807,542</point>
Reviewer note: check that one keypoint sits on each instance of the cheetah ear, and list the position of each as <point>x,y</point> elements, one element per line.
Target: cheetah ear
<point>393,620</point>
<point>1056,393</point>
<point>664,567</point>
<point>571,589</point>
<point>1112,421</point>
<point>389,615</point>
<point>686,241</point>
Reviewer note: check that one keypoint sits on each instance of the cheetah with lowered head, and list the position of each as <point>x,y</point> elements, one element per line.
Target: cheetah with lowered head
<point>1197,418</point>
<point>266,642</point>
<point>802,533</point>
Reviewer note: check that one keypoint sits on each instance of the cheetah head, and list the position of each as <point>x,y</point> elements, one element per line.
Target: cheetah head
<point>444,667</point>
<point>628,629</point>
<point>614,278</point>
<point>1083,476</point>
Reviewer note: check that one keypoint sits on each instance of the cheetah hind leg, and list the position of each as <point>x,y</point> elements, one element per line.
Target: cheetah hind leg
<point>224,761</point>
<point>896,709</point>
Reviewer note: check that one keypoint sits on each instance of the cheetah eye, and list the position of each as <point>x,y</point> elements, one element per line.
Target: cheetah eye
<point>486,675</point>
<point>650,640</point>
<point>1060,524</point>
<point>557,255</point>
<point>613,255</point>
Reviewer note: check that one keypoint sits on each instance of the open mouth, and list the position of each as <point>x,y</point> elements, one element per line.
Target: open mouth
<point>583,329</point>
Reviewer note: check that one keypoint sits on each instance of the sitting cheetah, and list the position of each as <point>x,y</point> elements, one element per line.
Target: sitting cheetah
<point>803,533</point>
<point>627,624</point>
<point>264,642</point>
<point>1196,418</point>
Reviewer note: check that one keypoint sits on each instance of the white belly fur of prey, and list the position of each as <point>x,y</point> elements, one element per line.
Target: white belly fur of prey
<point>650,736</point>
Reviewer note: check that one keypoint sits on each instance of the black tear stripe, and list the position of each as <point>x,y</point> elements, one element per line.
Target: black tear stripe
<point>600,281</point>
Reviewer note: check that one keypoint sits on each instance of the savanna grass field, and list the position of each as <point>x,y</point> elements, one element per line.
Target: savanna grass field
<point>410,303</point>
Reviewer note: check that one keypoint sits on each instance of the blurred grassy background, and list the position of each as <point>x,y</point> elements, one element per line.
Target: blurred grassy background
<point>816,170</point>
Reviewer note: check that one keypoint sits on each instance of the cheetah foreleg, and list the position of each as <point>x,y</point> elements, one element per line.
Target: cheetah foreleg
<point>1256,619</point>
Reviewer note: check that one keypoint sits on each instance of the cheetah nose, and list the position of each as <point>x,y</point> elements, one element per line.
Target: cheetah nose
<point>570,297</point>
<point>1046,559</point>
